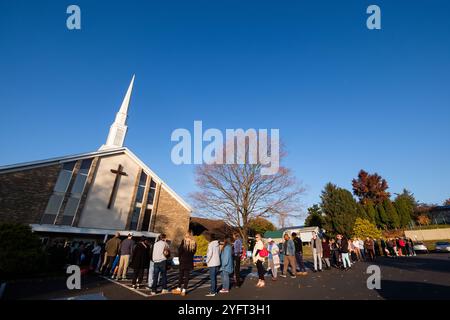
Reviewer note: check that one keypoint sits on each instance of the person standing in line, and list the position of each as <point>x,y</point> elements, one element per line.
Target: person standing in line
<point>289,257</point>
<point>139,262</point>
<point>112,248</point>
<point>334,253</point>
<point>370,249</point>
<point>213,263</point>
<point>344,253</point>
<point>259,258</point>
<point>237,252</point>
<point>160,254</point>
<point>357,249</point>
<point>411,246</point>
<point>126,250</point>
<point>299,254</point>
<point>383,247</point>
<point>226,265</point>
<point>273,258</point>
<point>396,246</point>
<point>407,249</point>
<point>402,245</point>
<point>96,253</point>
<point>186,252</point>
<point>316,244</point>
<point>377,248</point>
<point>326,253</point>
<point>361,249</point>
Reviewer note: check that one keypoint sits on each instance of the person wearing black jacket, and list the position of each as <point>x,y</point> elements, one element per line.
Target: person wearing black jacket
<point>140,261</point>
<point>186,252</point>
<point>299,254</point>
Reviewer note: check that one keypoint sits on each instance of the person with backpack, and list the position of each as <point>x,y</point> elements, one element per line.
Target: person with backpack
<point>299,254</point>
<point>213,263</point>
<point>259,255</point>
<point>186,252</point>
<point>112,248</point>
<point>160,255</point>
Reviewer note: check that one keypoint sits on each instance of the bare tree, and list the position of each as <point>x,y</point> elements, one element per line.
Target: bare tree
<point>238,193</point>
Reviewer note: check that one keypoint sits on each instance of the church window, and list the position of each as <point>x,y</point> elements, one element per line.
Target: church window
<point>135,218</point>
<point>141,188</point>
<point>146,220</point>
<point>56,199</point>
<point>76,192</point>
<point>151,192</point>
<point>138,203</point>
<point>148,209</point>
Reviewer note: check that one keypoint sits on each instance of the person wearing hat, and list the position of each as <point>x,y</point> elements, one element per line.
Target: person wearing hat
<point>274,257</point>
<point>126,250</point>
<point>140,261</point>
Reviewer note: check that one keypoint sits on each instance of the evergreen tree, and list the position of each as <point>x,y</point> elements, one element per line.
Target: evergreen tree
<point>361,211</point>
<point>339,208</point>
<point>314,218</point>
<point>382,219</point>
<point>405,203</point>
<point>371,213</point>
<point>391,213</point>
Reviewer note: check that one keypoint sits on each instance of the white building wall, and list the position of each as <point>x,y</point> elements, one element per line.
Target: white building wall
<point>95,213</point>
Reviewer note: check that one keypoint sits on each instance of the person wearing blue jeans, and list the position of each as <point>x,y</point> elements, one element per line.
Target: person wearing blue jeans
<point>226,266</point>
<point>160,268</point>
<point>160,254</point>
<point>213,262</point>
<point>344,254</point>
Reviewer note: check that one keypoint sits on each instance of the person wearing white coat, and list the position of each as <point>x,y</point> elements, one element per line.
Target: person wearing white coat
<point>259,260</point>
<point>213,262</point>
<point>273,258</point>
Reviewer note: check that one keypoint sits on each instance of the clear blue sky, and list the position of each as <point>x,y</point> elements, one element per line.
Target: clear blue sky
<point>343,97</point>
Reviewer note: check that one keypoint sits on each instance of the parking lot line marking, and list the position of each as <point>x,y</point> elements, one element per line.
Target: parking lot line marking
<point>127,287</point>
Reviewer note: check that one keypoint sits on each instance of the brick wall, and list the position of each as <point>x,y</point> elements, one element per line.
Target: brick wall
<point>24,194</point>
<point>171,218</point>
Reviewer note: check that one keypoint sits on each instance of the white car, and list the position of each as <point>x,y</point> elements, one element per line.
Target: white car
<point>420,247</point>
<point>442,246</point>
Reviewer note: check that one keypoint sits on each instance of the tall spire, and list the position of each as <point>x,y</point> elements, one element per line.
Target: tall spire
<point>118,129</point>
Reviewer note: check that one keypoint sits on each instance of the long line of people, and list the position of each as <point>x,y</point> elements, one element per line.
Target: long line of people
<point>224,258</point>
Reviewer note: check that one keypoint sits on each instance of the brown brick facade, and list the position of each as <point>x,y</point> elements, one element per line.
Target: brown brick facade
<point>171,218</point>
<point>24,194</point>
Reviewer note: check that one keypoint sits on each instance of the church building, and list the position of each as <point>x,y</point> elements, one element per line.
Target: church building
<point>93,195</point>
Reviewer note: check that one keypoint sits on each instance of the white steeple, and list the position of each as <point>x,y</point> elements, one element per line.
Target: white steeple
<point>118,129</point>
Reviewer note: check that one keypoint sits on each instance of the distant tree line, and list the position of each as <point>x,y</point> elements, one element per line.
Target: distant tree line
<point>371,202</point>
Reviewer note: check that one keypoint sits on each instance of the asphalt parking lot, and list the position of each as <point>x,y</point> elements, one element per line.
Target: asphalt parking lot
<point>421,277</point>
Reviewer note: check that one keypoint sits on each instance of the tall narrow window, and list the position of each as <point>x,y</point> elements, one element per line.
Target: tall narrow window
<point>138,203</point>
<point>151,192</point>
<point>77,191</point>
<point>149,206</point>
<point>60,189</point>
